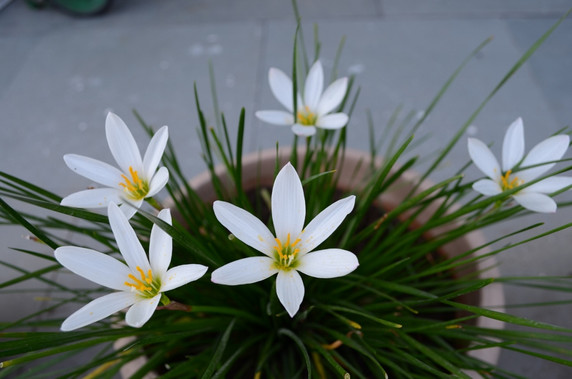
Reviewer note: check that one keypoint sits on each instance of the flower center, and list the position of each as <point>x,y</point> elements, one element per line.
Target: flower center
<point>285,254</point>
<point>508,183</point>
<point>146,286</point>
<point>306,117</point>
<point>135,188</point>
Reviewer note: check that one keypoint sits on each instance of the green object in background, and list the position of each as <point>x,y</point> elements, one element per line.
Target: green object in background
<point>76,7</point>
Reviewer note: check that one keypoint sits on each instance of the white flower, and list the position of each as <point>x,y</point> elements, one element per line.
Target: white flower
<point>289,252</point>
<point>534,196</point>
<point>136,178</point>
<point>139,283</point>
<point>313,110</point>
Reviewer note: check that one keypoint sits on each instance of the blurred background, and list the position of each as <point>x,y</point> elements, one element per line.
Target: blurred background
<point>60,73</point>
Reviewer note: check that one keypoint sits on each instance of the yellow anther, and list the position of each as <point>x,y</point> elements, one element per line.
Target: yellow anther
<point>139,284</point>
<point>136,187</point>
<point>286,251</point>
<point>508,185</point>
<point>306,117</point>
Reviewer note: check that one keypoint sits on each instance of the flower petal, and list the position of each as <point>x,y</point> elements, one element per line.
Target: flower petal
<point>159,181</point>
<point>303,130</point>
<point>276,117</point>
<point>290,290</point>
<point>93,198</point>
<point>329,263</point>
<point>314,86</point>
<point>95,266</point>
<point>484,159</point>
<point>244,226</point>
<point>141,311</point>
<point>332,121</point>
<point>281,87</point>
<point>332,96</point>
<point>130,207</point>
<point>513,145</point>
<point>98,309</point>
<point>536,202</point>
<point>122,144</point>
<point>160,245</point>
<point>155,151</point>
<point>487,187</point>
<point>325,223</point>
<point>99,172</point>
<point>549,185</point>
<point>244,271</point>
<point>181,275</point>
<point>288,204</point>
<point>551,149</point>
<point>127,242</point>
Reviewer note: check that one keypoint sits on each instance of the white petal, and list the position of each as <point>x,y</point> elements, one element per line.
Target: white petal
<point>244,271</point>
<point>99,172</point>
<point>332,96</point>
<point>127,242</point>
<point>325,223</point>
<point>332,121</point>
<point>93,198</point>
<point>95,266</point>
<point>181,275</point>
<point>513,145</point>
<point>130,207</point>
<point>160,245</point>
<point>536,202</point>
<point>141,311</point>
<point>98,309</point>
<point>288,204</point>
<point>487,187</point>
<point>484,159</point>
<point>155,151</point>
<point>122,144</point>
<point>290,290</point>
<point>276,117</point>
<point>314,86</point>
<point>329,263</point>
<point>244,226</point>
<point>549,185</point>
<point>551,149</point>
<point>303,130</point>
<point>159,181</point>
<point>281,86</point>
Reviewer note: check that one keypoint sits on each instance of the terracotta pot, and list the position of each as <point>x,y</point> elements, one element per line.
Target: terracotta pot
<point>258,170</point>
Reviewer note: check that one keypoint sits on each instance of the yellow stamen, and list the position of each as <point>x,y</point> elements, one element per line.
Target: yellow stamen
<point>508,185</point>
<point>136,188</point>
<point>139,284</point>
<point>286,253</point>
<point>306,117</point>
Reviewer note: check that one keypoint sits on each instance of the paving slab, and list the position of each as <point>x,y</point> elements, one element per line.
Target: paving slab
<point>475,9</point>
<point>63,74</point>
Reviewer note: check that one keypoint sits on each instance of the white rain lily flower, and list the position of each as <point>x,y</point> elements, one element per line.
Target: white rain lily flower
<point>314,109</point>
<point>136,178</point>
<point>533,197</point>
<point>140,283</point>
<point>290,251</point>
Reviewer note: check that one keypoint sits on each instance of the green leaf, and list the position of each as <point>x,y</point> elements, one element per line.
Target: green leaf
<point>217,356</point>
<point>301,346</point>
